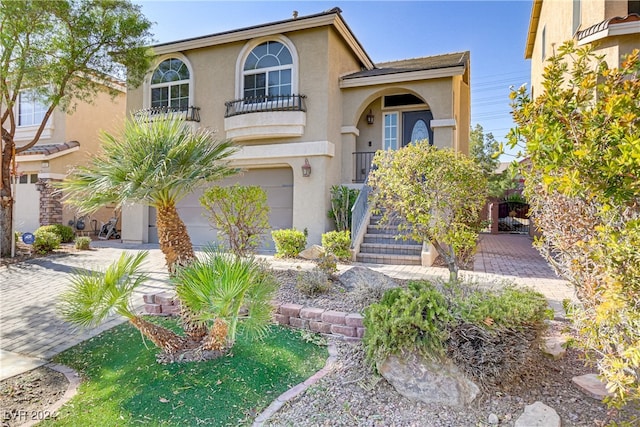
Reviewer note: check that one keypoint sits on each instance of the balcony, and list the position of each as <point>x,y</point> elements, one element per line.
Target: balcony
<point>362,165</point>
<point>190,114</point>
<point>282,116</point>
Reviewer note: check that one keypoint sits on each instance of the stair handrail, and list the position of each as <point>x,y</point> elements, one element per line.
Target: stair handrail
<point>359,211</point>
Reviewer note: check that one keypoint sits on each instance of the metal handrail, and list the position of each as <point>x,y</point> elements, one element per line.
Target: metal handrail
<point>359,211</point>
<point>362,162</point>
<point>266,103</point>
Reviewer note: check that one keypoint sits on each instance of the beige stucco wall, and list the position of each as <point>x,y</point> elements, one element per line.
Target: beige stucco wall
<point>556,19</point>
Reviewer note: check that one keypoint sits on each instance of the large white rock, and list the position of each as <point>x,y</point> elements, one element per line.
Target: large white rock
<point>419,379</point>
<point>312,252</point>
<point>538,415</point>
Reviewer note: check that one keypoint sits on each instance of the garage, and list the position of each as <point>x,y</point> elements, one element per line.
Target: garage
<point>278,184</point>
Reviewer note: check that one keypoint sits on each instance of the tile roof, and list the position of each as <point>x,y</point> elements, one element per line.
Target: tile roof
<point>605,24</point>
<point>415,64</point>
<point>48,149</point>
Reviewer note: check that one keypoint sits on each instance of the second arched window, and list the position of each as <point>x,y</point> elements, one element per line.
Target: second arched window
<point>267,72</point>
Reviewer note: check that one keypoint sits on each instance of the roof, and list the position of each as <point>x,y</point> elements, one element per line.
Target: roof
<point>448,60</point>
<point>48,149</point>
<point>601,26</point>
<point>328,17</point>
<point>533,28</point>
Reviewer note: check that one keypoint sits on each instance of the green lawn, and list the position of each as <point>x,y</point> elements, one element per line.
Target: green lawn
<point>124,385</point>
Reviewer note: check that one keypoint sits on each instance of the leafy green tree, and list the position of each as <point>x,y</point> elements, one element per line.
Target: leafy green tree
<point>437,193</point>
<point>64,52</point>
<point>483,148</point>
<point>240,213</point>
<point>582,135</point>
<point>342,200</point>
<point>157,164</point>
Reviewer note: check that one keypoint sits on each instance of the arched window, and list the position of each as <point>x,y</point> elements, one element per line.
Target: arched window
<point>170,85</point>
<point>267,72</point>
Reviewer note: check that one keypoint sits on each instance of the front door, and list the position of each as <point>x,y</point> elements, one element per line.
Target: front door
<point>416,126</point>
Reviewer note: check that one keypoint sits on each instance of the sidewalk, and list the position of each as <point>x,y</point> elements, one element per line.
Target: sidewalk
<point>31,333</point>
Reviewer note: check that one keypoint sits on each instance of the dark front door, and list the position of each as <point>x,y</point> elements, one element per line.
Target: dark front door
<point>416,126</point>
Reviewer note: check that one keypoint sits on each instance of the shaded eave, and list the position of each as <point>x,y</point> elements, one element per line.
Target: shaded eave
<point>430,67</point>
<point>331,17</point>
<point>533,28</point>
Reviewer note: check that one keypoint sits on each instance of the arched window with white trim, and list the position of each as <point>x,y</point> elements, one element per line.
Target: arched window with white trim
<point>170,85</point>
<point>267,72</point>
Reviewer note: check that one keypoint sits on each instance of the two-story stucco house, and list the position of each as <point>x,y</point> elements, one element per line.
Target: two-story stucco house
<point>611,26</point>
<point>309,108</point>
<point>68,139</point>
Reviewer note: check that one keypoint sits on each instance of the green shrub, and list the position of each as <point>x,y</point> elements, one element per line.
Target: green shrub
<point>338,243</point>
<point>342,200</point>
<point>64,231</point>
<point>289,242</point>
<point>240,213</point>
<point>45,241</point>
<point>82,243</point>
<point>489,335</point>
<point>328,263</point>
<point>411,319</point>
<point>313,282</point>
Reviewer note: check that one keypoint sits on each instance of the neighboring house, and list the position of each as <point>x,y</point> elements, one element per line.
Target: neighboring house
<point>309,108</point>
<point>612,26</point>
<point>67,140</point>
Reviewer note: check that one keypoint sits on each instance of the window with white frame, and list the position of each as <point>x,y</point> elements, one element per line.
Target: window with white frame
<point>170,85</point>
<point>390,131</point>
<point>31,109</point>
<point>267,72</point>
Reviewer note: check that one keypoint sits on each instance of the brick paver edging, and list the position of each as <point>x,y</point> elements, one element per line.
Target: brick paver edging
<point>299,389</point>
<point>338,324</point>
<point>72,389</point>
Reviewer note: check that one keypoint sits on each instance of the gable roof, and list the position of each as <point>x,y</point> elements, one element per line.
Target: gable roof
<point>426,67</point>
<point>49,149</point>
<point>329,17</point>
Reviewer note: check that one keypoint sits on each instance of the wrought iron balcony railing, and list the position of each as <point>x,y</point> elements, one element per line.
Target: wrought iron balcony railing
<point>267,103</point>
<point>190,114</point>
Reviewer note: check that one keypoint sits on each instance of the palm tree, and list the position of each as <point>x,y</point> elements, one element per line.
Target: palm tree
<point>227,293</point>
<point>154,163</point>
<point>94,295</point>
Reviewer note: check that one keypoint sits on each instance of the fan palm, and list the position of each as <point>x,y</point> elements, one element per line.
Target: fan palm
<point>154,163</point>
<point>226,292</point>
<point>95,295</point>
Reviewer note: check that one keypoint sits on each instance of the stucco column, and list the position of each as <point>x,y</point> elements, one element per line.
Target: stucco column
<point>349,135</point>
<point>443,133</point>
<point>310,198</point>
<point>50,202</point>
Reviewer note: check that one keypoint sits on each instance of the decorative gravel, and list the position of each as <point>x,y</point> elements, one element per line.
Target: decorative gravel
<point>353,394</point>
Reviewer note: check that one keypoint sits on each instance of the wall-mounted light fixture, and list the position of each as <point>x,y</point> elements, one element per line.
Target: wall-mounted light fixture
<point>306,168</point>
<point>44,164</point>
<point>370,117</point>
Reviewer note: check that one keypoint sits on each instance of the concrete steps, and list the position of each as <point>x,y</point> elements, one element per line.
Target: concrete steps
<point>380,246</point>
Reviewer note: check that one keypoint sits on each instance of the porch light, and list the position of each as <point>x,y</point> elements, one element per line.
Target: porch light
<point>370,117</point>
<point>306,168</point>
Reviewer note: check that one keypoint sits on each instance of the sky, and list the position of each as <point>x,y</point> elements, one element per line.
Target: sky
<point>494,32</point>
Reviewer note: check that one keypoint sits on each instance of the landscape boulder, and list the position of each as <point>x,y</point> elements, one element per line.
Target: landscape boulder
<point>312,253</point>
<point>419,379</point>
<point>365,278</point>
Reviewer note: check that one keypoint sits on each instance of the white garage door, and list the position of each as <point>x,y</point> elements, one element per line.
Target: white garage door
<point>27,199</point>
<point>278,183</point>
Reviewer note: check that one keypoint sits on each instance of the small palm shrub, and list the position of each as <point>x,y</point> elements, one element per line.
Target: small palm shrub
<point>489,335</point>
<point>64,231</point>
<point>312,283</point>
<point>289,242</point>
<point>82,243</point>
<point>228,294</point>
<point>338,243</point>
<point>46,241</point>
